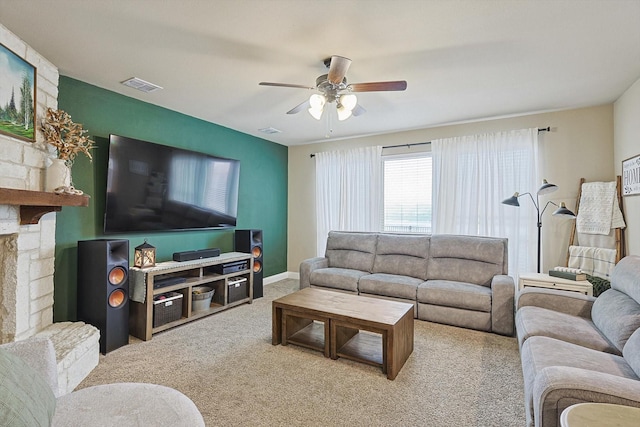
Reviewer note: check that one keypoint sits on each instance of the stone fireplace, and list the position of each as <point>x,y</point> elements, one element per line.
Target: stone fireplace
<point>26,292</point>
<point>27,251</point>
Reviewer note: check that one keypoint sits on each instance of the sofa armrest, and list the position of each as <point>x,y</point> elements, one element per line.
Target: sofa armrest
<point>558,387</point>
<point>307,267</point>
<point>503,291</point>
<point>38,354</point>
<point>573,303</point>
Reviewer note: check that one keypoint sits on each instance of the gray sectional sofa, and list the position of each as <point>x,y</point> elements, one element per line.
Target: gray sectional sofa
<point>576,348</point>
<point>456,280</point>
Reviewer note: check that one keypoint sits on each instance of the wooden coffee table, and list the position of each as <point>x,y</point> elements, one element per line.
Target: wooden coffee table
<point>369,330</point>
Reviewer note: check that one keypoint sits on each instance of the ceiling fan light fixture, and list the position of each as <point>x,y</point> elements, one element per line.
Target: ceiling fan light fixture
<point>334,90</point>
<point>315,113</point>
<point>317,101</point>
<point>348,101</point>
<point>343,112</point>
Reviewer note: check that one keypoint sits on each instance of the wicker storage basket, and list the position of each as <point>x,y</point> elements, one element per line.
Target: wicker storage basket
<point>167,308</point>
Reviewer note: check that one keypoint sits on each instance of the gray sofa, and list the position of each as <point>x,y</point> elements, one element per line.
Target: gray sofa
<point>456,280</point>
<point>576,348</point>
<point>29,396</point>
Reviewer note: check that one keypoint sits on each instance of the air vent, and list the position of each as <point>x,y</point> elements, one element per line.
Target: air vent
<point>270,130</point>
<point>141,85</point>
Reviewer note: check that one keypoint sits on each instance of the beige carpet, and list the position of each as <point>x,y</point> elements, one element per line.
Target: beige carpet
<point>226,364</point>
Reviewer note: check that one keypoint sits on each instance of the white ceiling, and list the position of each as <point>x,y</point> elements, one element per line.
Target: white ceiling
<point>463,60</point>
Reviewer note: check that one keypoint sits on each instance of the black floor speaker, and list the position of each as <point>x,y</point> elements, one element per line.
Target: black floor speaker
<point>250,241</point>
<point>103,290</point>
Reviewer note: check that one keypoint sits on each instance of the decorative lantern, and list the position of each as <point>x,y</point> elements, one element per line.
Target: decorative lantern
<point>144,255</point>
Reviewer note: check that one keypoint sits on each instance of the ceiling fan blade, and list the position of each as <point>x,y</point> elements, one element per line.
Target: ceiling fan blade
<point>378,86</point>
<point>358,110</point>
<point>286,85</point>
<point>338,69</point>
<point>302,106</point>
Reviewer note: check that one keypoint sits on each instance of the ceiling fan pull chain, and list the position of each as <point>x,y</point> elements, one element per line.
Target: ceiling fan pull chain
<point>329,131</point>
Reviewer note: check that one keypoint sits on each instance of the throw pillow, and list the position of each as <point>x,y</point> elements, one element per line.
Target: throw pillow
<point>26,400</point>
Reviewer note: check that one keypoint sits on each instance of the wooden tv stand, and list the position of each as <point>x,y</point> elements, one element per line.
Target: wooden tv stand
<point>198,272</point>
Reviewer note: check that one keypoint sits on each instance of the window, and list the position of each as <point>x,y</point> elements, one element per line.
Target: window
<point>407,193</point>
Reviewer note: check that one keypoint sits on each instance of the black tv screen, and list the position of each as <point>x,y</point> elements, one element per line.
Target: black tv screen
<point>153,187</point>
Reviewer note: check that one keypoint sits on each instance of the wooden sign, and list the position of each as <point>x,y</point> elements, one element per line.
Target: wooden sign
<point>631,176</point>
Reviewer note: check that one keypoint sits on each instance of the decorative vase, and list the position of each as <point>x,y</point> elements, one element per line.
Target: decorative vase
<point>57,175</point>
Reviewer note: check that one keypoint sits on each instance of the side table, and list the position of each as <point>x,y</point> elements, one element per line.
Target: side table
<point>542,280</point>
<point>600,414</point>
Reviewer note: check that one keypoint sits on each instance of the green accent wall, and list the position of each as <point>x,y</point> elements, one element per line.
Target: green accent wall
<point>263,182</point>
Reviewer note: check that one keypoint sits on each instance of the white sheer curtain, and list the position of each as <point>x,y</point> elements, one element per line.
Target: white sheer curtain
<point>348,192</point>
<point>471,177</point>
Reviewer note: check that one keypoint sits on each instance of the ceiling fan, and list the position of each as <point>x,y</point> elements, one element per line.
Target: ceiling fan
<point>333,87</point>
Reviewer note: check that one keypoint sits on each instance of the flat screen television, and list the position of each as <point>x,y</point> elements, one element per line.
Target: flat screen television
<point>153,187</point>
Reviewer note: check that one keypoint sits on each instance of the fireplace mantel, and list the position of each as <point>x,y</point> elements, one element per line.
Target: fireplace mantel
<point>34,204</point>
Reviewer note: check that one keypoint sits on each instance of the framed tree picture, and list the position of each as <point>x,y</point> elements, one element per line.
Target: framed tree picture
<point>17,96</point>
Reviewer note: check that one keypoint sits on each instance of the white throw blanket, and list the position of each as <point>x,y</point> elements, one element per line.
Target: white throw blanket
<point>593,261</point>
<point>599,210</point>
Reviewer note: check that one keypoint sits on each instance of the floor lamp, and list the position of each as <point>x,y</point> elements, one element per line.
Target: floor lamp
<point>545,188</point>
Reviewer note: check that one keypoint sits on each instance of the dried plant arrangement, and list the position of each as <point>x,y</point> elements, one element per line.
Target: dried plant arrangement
<point>67,137</point>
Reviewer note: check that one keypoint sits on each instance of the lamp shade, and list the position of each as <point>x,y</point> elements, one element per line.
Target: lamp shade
<point>348,101</point>
<point>547,188</point>
<point>513,200</point>
<point>563,211</point>
<point>316,103</point>
<point>315,113</point>
<point>343,113</point>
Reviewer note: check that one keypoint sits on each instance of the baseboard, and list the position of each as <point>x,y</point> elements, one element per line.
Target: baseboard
<point>281,276</point>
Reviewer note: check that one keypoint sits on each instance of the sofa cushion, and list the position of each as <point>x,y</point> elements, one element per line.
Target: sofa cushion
<point>389,285</point>
<point>624,277</point>
<point>616,315</point>
<point>537,321</point>
<point>538,353</point>
<point>478,320</point>
<point>38,353</point>
<point>337,278</point>
<point>631,352</point>
<point>351,250</point>
<point>469,259</point>
<point>402,254</point>
<point>455,294</point>
<point>26,399</point>
<point>127,404</point>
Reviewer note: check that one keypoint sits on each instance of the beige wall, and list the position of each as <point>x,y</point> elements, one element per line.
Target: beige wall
<point>627,144</point>
<point>580,145</point>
